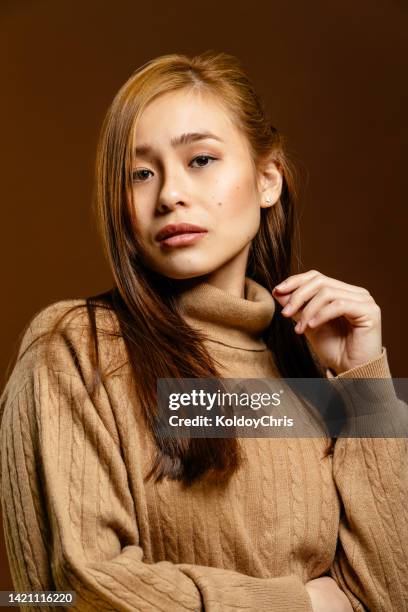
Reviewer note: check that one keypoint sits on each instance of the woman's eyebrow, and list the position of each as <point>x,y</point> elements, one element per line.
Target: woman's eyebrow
<point>143,149</point>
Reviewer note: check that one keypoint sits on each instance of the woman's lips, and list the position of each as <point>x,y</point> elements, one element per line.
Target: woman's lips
<point>182,239</point>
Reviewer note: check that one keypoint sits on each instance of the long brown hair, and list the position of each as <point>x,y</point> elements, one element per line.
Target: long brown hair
<point>159,343</point>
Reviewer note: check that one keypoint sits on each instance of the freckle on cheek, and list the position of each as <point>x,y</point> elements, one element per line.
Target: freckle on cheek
<point>219,203</point>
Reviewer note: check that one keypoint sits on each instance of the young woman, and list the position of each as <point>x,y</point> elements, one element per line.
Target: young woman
<point>195,201</point>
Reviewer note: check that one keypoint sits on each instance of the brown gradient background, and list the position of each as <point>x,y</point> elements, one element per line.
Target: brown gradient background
<point>333,75</point>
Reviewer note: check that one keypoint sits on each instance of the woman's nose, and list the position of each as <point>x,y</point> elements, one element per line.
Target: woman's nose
<point>168,204</point>
<point>172,193</point>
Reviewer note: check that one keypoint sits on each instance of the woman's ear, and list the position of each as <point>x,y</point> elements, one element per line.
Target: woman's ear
<point>270,183</point>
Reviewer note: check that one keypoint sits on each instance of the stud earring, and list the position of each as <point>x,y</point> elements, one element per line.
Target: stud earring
<point>268,200</point>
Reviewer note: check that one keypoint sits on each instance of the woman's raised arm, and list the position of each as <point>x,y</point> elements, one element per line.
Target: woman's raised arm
<point>371,475</point>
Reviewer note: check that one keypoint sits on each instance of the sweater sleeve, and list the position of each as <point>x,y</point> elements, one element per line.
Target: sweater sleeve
<point>371,476</point>
<point>70,518</point>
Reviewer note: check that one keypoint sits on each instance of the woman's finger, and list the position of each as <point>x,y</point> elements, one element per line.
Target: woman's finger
<point>305,295</point>
<point>297,280</point>
<point>323,297</point>
<point>360,314</point>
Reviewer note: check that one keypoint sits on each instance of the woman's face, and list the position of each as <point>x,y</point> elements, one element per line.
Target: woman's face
<point>192,165</point>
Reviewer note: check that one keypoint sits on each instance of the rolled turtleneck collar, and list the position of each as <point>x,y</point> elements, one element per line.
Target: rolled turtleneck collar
<point>228,319</point>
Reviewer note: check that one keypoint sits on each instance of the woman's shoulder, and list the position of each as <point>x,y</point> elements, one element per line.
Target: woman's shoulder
<point>43,320</point>
<point>66,335</point>
<point>69,316</point>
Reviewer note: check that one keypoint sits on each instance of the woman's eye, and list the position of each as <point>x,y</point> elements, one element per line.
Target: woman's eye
<point>139,175</point>
<point>204,158</point>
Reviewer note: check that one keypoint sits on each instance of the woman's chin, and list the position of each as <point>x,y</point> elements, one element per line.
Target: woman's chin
<point>185,274</point>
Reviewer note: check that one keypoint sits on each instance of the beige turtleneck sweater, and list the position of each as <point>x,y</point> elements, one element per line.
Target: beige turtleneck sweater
<point>78,516</point>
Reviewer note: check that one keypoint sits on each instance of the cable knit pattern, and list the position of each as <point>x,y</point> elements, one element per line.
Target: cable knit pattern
<point>326,510</point>
<point>78,515</point>
<point>267,540</point>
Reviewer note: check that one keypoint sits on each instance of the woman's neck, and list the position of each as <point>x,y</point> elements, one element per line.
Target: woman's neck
<point>229,278</point>
<point>227,318</point>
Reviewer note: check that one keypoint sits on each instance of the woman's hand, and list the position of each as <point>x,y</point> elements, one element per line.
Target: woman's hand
<point>341,322</point>
<point>326,596</point>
